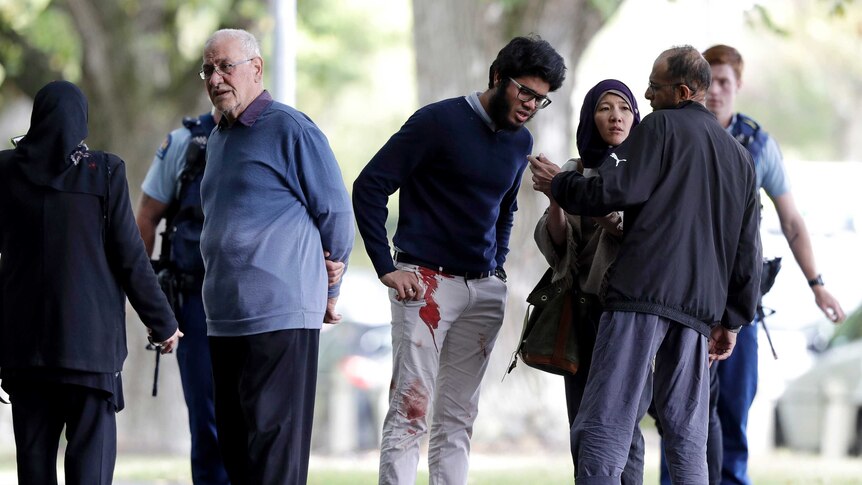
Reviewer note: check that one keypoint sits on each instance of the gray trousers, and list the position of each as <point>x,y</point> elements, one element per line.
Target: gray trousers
<point>617,397</point>
<point>440,351</point>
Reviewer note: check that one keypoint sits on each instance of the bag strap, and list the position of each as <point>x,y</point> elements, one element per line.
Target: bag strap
<point>514,361</point>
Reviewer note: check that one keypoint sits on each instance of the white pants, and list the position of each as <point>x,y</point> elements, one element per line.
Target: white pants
<point>440,348</point>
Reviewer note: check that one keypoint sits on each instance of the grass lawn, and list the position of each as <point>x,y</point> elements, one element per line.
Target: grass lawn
<point>781,467</point>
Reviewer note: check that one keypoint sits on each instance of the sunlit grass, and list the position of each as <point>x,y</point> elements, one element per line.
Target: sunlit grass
<point>781,467</point>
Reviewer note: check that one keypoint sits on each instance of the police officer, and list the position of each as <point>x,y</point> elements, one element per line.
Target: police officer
<point>737,376</point>
<point>171,191</point>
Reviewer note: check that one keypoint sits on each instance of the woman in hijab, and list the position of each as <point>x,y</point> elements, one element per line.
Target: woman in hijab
<point>581,249</point>
<point>70,253</point>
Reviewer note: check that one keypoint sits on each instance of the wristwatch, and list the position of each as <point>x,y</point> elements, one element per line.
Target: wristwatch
<point>817,280</point>
<point>734,330</point>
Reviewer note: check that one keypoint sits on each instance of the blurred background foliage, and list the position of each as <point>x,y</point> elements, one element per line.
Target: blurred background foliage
<point>363,66</point>
<point>810,93</point>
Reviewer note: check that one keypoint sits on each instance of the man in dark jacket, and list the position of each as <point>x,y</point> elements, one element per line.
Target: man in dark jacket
<point>70,253</point>
<point>686,278</point>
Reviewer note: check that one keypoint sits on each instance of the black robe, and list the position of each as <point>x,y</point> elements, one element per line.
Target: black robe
<point>70,253</point>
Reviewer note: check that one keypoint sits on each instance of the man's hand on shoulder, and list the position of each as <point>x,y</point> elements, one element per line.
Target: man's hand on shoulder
<point>405,283</point>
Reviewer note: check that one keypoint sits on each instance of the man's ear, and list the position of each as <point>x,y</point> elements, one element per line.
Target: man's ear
<point>685,93</point>
<point>496,78</point>
<point>258,66</point>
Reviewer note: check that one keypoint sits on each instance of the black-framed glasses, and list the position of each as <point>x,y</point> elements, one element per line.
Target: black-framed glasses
<point>526,95</point>
<point>224,68</point>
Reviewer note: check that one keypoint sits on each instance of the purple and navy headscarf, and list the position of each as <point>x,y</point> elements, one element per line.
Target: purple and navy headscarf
<point>591,147</point>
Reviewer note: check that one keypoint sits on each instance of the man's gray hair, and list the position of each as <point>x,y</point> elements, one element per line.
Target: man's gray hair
<point>247,41</point>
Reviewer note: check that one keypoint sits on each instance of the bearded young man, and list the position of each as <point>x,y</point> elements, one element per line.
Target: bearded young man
<point>458,164</point>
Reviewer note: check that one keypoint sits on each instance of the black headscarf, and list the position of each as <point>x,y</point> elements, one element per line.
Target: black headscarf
<point>591,147</point>
<point>52,153</point>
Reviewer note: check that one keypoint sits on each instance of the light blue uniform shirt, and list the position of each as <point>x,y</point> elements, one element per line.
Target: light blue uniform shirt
<point>168,164</point>
<point>769,167</point>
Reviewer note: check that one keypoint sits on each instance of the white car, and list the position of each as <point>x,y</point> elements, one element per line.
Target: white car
<point>821,410</point>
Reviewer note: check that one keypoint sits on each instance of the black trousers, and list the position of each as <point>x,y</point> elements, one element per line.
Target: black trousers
<point>264,404</point>
<point>39,414</point>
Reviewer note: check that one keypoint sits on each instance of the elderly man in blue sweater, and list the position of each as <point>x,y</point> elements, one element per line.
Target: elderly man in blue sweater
<point>274,202</point>
<point>458,164</point>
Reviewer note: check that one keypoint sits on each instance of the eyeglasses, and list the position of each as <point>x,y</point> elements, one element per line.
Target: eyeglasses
<point>224,68</point>
<point>655,87</point>
<point>526,95</point>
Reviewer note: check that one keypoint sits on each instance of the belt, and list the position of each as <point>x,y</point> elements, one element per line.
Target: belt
<point>467,275</point>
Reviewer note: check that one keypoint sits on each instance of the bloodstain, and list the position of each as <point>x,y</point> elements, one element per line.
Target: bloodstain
<point>414,402</point>
<point>483,345</point>
<point>411,431</point>
<point>430,313</point>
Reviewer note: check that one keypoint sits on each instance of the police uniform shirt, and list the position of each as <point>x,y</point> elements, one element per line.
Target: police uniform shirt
<point>168,164</point>
<point>769,167</point>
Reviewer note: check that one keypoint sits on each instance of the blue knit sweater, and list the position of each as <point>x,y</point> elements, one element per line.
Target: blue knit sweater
<point>459,183</point>
<point>273,201</point>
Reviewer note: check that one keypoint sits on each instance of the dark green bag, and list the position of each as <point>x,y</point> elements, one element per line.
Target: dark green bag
<point>549,340</point>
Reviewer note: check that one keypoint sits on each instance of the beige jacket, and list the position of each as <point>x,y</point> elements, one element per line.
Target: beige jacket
<point>589,252</point>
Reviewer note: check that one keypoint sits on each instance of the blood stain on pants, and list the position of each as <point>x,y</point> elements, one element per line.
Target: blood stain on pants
<point>430,313</point>
<point>414,402</point>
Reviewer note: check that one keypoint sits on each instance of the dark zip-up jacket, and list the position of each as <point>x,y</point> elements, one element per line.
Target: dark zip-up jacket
<point>691,248</point>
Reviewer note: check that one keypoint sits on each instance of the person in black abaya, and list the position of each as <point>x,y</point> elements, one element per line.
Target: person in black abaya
<point>70,253</point>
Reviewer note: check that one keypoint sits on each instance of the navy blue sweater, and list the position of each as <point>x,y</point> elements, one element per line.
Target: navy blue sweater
<point>459,182</point>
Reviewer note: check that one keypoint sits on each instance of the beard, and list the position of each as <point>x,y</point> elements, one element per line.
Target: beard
<point>500,107</point>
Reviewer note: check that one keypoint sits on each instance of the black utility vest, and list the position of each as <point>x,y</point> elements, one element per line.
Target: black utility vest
<point>185,216</point>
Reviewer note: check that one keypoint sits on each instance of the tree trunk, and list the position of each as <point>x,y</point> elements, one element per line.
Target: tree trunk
<point>132,78</point>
